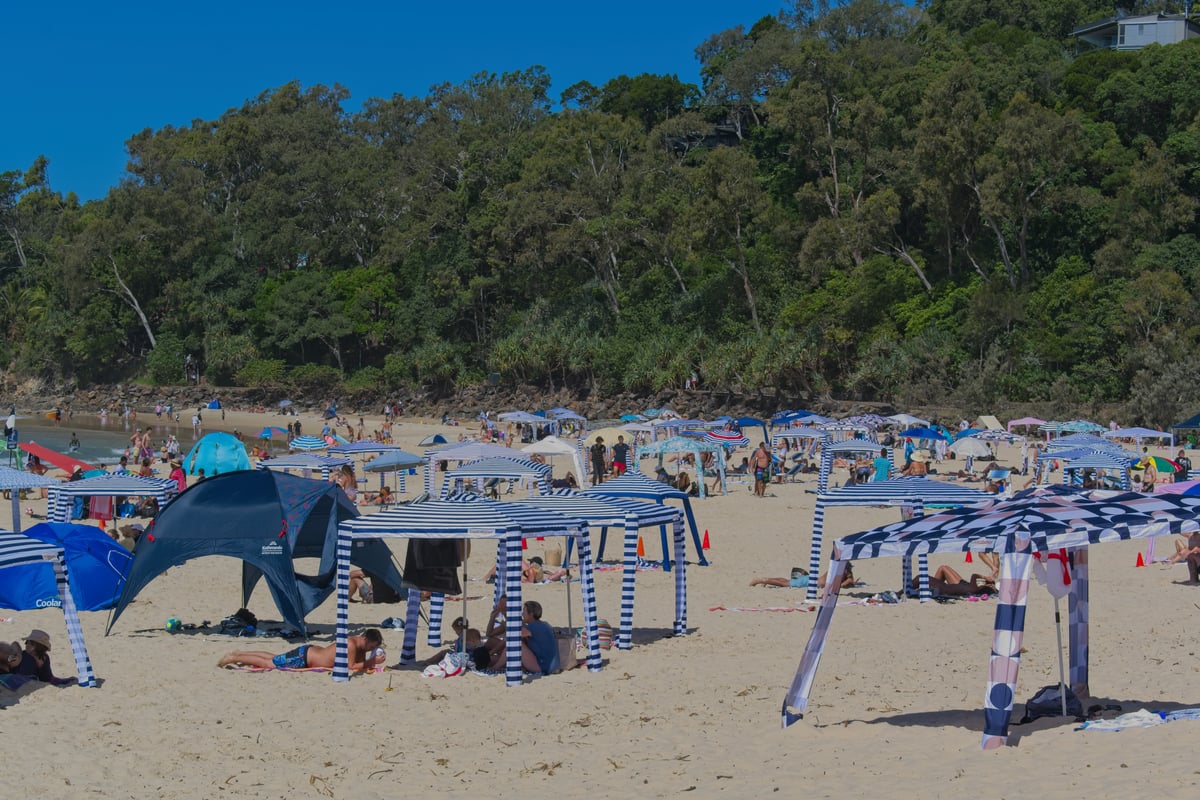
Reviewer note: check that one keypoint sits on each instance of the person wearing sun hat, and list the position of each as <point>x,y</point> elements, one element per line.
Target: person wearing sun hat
<point>35,661</point>
<point>178,475</point>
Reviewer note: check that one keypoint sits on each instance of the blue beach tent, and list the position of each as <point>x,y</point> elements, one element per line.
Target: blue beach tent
<point>267,519</point>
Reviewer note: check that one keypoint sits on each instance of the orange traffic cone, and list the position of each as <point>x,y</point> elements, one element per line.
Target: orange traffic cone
<point>642,548</point>
<point>968,558</point>
<point>704,545</point>
<point>1140,562</point>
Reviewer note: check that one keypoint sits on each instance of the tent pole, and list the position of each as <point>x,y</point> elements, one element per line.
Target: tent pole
<point>1062,680</point>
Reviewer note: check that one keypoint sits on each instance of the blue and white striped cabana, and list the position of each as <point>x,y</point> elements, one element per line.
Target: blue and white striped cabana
<point>61,496</point>
<point>1036,521</point>
<point>631,515</point>
<point>460,452</point>
<point>910,493</point>
<point>307,443</point>
<point>506,468</point>
<point>479,519</point>
<point>638,486</point>
<point>831,449</point>
<point>14,480</point>
<point>17,550</point>
<point>305,464</point>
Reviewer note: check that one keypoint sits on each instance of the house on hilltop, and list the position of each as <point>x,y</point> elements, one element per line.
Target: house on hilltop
<point>1134,33</point>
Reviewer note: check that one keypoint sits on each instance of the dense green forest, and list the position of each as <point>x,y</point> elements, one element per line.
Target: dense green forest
<point>864,199</point>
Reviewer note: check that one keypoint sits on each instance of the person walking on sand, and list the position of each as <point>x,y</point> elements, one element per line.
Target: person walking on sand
<point>760,462</point>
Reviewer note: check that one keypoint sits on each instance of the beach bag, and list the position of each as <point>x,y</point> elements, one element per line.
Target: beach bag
<point>1047,702</point>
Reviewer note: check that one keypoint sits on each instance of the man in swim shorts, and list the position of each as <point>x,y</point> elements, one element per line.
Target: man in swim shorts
<point>308,656</point>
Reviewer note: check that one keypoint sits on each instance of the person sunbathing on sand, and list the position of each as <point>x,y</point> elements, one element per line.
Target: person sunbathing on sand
<point>800,579</point>
<point>308,655</point>
<point>945,581</point>
<point>1188,551</point>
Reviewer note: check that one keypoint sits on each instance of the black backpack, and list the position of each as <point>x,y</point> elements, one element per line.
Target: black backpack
<point>1047,702</point>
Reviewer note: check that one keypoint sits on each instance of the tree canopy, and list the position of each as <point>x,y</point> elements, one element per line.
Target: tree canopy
<point>947,203</point>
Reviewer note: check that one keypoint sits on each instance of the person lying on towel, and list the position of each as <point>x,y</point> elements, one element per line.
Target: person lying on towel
<point>310,656</point>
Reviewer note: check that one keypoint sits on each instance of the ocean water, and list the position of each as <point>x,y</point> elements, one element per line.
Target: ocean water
<point>99,443</point>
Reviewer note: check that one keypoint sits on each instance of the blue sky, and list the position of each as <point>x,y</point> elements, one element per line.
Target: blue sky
<point>82,77</point>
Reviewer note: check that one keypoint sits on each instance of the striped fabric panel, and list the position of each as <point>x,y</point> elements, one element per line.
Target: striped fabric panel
<point>1009,632</point>
<point>628,578</point>
<point>680,579</point>
<point>341,663</point>
<point>83,664</point>
<point>1078,614</point>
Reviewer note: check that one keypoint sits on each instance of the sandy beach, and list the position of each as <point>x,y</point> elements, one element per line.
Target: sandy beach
<point>897,706</point>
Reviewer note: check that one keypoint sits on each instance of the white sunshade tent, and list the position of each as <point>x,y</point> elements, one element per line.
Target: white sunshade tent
<point>1138,434</point>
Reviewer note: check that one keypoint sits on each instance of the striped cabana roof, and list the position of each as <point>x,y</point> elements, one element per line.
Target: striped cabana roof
<point>310,462</point>
<point>13,480</point>
<point>506,468</point>
<point>61,496</point>
<point>308,443</point>
<point>915,492</point>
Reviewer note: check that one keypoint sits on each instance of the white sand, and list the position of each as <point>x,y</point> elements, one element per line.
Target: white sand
<point>896,708</point>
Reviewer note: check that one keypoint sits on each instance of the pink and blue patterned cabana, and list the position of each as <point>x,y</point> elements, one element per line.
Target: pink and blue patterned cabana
<point>1035,521</point>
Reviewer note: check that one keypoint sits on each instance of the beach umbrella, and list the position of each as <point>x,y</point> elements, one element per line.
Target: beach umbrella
<point>307,443</point>
<point>970,446</point>
<point>729,439</point>
<point>285,403</point>
<point>98,567</point>
<point>271,431</point>
<point>393,460</point>
<point>632,418</point>
<point>1190,488</point>
<point>923,433</point>
<point>1164,466</point>
<point>431,440</point>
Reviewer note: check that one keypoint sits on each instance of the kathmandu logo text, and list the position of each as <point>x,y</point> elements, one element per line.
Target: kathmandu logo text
<point>272,549</point>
